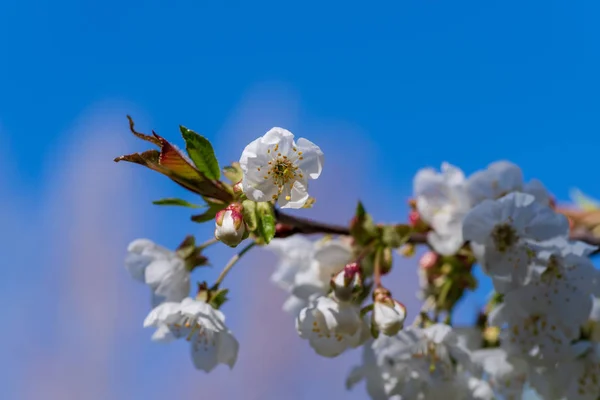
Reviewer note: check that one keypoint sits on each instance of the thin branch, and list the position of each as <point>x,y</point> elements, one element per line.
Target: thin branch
<point>291,225</point>
<point>232,262</point>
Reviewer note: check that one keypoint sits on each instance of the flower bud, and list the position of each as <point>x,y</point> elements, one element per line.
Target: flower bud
<point>347,282</point>
<point>429,260</point>
<point>237,188</point>
<point>408,250</point>
<point>229,225</point>
<point>388,314</point>
<point>414,218</point>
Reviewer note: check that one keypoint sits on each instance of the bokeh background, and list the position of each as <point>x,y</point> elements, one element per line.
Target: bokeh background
<point>384,87</point>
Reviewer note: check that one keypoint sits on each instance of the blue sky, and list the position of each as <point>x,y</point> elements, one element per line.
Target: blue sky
<point>384,87</point>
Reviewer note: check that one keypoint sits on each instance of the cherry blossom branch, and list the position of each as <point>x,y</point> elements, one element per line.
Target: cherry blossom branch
<point>291,225</point>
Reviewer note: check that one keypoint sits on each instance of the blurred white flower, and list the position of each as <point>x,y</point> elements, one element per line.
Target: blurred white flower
<point>161,269</point>
<point>277,167</point>
<point>331,327</point>
<point>501,178</point>
<point>507,375</point>
<point>501,232</point>
<point>442,202</point>
<point>202,325</point>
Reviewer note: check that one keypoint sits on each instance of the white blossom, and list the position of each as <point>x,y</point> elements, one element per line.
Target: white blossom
<point>305,268</point>
<point>575,379</point>
<point>277,167</point>
<point>164,271</point>
<point>329,258</point>
<point>212,343</point>
<point>295,254</point>
<point>420,363</point>
<point>442,202</point>
<point>501,232</point>
<point>501,178</point>
<point>506,375</point>
<point>331,327</point>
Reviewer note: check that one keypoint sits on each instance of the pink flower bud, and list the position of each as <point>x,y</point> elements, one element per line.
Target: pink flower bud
<point>237,188</point>
<point>414,218</point>
<point>347,282</point>
<point>429,260</point>
<point>229,225</point>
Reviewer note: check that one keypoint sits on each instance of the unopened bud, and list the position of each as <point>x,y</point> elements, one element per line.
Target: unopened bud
<point>429,260</point>
<point>408,250</point>
<point>388,314</point>
<point>237,188</point>
<point>347,283</point>
<point>229,225</point>
<point>414,218</point>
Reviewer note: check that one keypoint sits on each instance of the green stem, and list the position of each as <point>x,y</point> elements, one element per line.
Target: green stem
<point>377,271</point>
<point>232,262</point>
<point>206,244</point>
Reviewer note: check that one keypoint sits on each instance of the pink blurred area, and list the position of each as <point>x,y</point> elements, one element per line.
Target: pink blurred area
<point>76,316</point>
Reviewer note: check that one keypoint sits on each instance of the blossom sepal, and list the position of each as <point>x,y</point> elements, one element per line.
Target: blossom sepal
<point>191,254</point>
<point>214,296</point>
<point>260,220</point>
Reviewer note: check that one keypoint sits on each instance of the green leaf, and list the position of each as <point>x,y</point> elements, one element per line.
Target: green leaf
<point>233,172</point>
<point>213,209</point>
<point>360,210</point>
<point>177,202</point>
<point>362,227</point>
<point>266,221</point>
<point>201,152</point>
<point>395,235</point>
<point>171,162</point>
<point>250,216</point>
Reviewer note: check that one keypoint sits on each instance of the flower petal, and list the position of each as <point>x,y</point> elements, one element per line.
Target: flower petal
<point>294,196</point>
<point>281,137</point>
<point>312,158</point>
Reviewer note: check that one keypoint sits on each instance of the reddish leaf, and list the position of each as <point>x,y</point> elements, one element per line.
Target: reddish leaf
<point>142,136</point>
<point>174,160</point>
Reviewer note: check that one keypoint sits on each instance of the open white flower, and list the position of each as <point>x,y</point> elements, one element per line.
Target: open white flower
<point>500,232</point>
<point>533,325</point>
<point>442,202</point>
<point>501,178</point>
<point>507,375</point>
<point>331,327</point>
<point>379,384</point>
<point>422,363</point>
<point>202,325</point>
<point>330,257</point>
<point>306,268</point>
<point>575,379</point>
<point>295,254</point>
<point>161,269</point>
<point>277,167</point>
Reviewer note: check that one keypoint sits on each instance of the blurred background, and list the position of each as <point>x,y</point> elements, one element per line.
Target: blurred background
<point>385,88</point>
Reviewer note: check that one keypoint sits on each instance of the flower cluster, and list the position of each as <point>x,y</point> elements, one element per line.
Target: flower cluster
<point>539,332</point>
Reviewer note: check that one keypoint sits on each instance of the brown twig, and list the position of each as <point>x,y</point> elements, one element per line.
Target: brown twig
<point>291,225</point>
